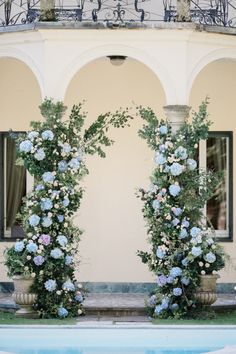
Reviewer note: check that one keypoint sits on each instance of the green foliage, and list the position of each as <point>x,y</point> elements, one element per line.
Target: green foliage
<point>181,246</point>
<point>53,152</point>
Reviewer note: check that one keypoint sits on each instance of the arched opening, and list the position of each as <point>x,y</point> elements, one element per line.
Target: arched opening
<point>218,81</point>
<point>20,95</point>
<point>110,213</point>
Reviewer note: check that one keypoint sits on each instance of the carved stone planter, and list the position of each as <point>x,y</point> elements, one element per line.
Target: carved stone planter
<point>23,297</point>
<point>206,292</point>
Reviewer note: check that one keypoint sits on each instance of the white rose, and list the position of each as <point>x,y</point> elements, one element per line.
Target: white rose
<point>33,275</point>
<point>58,292</point>
<point>39,251</point>
<point>207,265</point>
<point>28,258</point>
<point>80,312</point>
<point>203,272</point>
<point>56,206</point>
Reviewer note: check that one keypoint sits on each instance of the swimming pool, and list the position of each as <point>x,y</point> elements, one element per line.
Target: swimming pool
<point>152,340</point>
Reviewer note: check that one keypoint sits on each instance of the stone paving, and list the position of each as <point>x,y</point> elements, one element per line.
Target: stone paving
<point>122,300</point>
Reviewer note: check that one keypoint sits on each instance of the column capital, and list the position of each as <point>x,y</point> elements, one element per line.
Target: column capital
<point>176,115</point>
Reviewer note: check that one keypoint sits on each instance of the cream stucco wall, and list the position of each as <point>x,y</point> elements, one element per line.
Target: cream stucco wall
<point>218,81</point>
<point>19,100</point>
<point>110,213</point>
<point>71,64</point>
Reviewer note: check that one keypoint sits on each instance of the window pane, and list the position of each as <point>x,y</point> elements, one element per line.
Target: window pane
<point>217,160</point>
<point>15,190</point>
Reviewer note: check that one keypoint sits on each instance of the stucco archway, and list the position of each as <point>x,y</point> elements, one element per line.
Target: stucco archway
<point>110,213</point>
<point>98,52</point>
<point>20,95</point>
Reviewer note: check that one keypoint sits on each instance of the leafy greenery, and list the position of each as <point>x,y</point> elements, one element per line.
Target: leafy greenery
<point>53,152</point>
<point>181,247</point>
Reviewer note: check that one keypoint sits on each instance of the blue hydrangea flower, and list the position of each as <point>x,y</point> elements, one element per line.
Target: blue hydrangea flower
<point>32,247</point>
<point>38,260</point>
<point>48,177</point>
<point>74,163</point>
<point>50,285</point>
<point>68,285</point>
<point>195,231</point>
<point>158,309</point>
<point>177,291</point>
<point>39,155</point>
<point>175,222</point>
<point>185,223</point>
<point>66,202</point>
<point>68,260</point>
<point>161,280</point>
<point>176,169</point>
<point>159,159</point>
<point>174,189</point>
<point>163,129</point>
<point>34,220</point>
<point>62,312</point>
<point>62,240</point>
<point>156,204</point>
<point>181,153</point>
<point>185,262</point>
<point>19,246</point>
<point>185,281</point>
<point>177,211</point>
<point>47,135</point>
<point>183,233</point>
<point>32,135</point>
<point>152,300</point>
<point>175,272</point>
<point>160,253</point>
<point>170,280</point>
<point>79,297</point>
<point>174,307</point>
<point>47,222</point>
<point>25,146</point>
<point>162,148</point>
<point>210,257</point>
<point>196,251</point>
<point>46,204</point>
<point>165,303</point>
<point>66,148</point>
<point>191,164</point>
<point>60,218</point>
<point>39,187</point>
<point>62,166</point>
<point>56,253</point>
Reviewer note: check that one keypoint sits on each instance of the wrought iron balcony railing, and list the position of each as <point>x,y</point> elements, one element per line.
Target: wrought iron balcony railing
<point>209,12</point>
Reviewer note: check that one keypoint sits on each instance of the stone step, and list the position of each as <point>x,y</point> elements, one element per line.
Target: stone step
<point>116,305</point>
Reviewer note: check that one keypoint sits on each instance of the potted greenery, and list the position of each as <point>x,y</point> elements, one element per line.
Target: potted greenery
<point>182,248</point>
<point>53,152</point>
<point>21,270</point>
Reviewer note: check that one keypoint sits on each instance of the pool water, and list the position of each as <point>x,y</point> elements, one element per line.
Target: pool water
<point>151,340</point>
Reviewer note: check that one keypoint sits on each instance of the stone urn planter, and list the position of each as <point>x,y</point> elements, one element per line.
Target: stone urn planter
<point>23,297</point>
<point>206,292</point>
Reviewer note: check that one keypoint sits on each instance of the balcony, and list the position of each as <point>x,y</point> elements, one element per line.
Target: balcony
<point>117,12</point>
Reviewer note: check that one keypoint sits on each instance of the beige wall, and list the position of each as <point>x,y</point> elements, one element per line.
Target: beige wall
<point>218,81</point>
<point>19,101</point>
<point>110,213</point>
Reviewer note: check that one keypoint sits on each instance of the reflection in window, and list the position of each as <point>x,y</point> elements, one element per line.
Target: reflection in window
<point>218,159</point>
<point>13,184</point>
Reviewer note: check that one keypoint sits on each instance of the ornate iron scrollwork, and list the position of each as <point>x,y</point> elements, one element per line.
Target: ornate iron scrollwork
<point>115,12</point>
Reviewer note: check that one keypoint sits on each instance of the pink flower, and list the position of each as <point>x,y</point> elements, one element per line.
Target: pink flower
<point>45,239</point>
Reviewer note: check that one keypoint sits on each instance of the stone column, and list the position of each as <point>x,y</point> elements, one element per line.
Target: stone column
<point>183,11</point>
<point>47,10</point>
<point>176,115</point>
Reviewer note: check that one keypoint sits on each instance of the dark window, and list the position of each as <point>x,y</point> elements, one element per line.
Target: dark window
<point>219,151</point>
<point>13,189</point>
